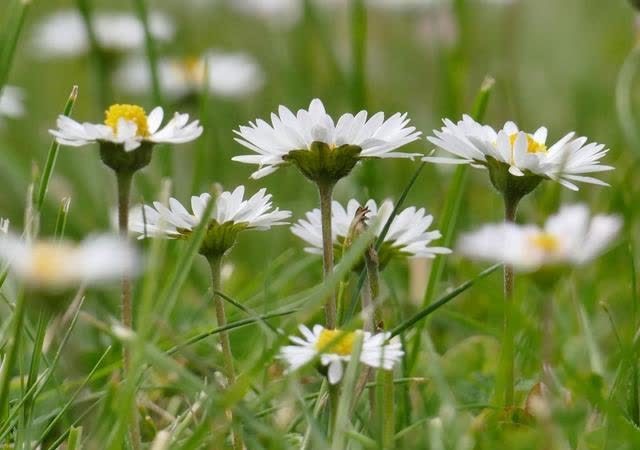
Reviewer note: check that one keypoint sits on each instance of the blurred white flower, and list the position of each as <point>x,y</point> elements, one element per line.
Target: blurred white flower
<point>63,33</point>
<point>570,237</point>
<point>230,215</point>
<point>55,264</point>
<point>335,347</point>
<point>11,102</point>
<point>407,235</point>
<point>229,75</point>
<point>129,126</point>
<point>566,161</point>
<point>283,13</point>
<point>406,5</point>
<point>347,141</point>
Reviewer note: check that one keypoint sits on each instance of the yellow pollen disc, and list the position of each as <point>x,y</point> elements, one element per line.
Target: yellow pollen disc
<point>49,262</point>
<point>546,242</point>
<point>193,70</point>
<point>131,113</point>
<point>533,146</point>
<point>336,341</point>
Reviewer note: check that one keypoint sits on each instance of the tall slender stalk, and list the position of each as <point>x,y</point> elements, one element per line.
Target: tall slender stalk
<point>325,190</point>
<point>124,181</point>
<point>508,352</point>
<point>215,262</point>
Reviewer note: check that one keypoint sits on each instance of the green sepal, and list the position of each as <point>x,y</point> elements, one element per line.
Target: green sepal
<point>220,238</point>
<point>511,187</point>
<point>115,156</point>
<point>323,164</point>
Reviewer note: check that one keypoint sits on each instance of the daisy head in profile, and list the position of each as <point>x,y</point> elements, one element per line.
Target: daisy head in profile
<point>56,265</point>
<point>323,150</point>
<point>518,161</point>
<point>408,235</point>
<point>572,237</point>
<point>229,75</point>
<point>230,214</point>
<point>335,348</point>
<point>127,135</point>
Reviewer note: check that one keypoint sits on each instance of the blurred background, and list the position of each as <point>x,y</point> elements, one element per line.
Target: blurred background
<point>555,63</point>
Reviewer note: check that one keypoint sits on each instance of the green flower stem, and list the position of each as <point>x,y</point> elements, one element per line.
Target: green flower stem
<point>508,352</point>
<point>124,180</point>
<point>389,424</point>
<point>215,262</point>
<point>12,354</point>
<point>325,190</point>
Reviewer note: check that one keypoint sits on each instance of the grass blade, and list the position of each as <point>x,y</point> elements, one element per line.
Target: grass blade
<point>52,155</point>
<point>449,218</point>
<point>416,318</point>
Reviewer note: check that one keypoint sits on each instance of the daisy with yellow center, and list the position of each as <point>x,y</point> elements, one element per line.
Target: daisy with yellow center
<point>334,348</point>
<point>569,238</point>
<point>569,160</point>
<point>56,265</point>
<point>230,75</point>
<point>127,126</point>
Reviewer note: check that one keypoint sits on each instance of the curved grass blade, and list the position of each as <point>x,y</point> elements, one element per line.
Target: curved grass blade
<point>416,318</point>
<point>52,155</point>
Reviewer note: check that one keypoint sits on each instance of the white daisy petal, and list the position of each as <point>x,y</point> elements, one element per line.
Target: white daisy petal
<point>287,132</point>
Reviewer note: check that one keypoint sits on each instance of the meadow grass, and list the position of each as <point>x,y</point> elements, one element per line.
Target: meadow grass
<point>569,65</point>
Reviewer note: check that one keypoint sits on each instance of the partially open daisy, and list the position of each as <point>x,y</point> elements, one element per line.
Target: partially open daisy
<point>11,102</point>
<point>230,215</point>
<point>511,151</point>
<point>63,33</point>
<point>334,348</point>
<point>408,233</point>
<point>57,265</point>
<point>228,75</point>
<point>323,150</point>
<point>127,126</point>
<point>571,237</point>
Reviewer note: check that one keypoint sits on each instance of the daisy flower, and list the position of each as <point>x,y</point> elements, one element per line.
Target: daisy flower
<point>57,265</point>
<point>408,233</point>
<point>127,126</point>
<point>11,102</point>
<point>511,151</point>
<point>335,347</point>
<point>231,214</point>
<point>63,33</point>
<point>322,149</point>
<point>227,75</point>
<point>571,237</point>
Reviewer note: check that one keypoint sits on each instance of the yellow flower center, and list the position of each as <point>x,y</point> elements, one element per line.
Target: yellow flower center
<point>48,262</point>
<point>131,113</point>
<point>336,341</point>
<point>533,146</point>
<point>193,69</point>
<point>546,242</point>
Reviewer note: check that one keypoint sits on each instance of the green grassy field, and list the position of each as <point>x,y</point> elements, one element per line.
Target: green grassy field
<point>557,64</point>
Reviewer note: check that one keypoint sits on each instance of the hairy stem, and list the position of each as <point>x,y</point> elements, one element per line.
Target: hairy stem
<point>215,263</point>
<point>508,352</point>
<point>326,195</point>
<point>124,180</point>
